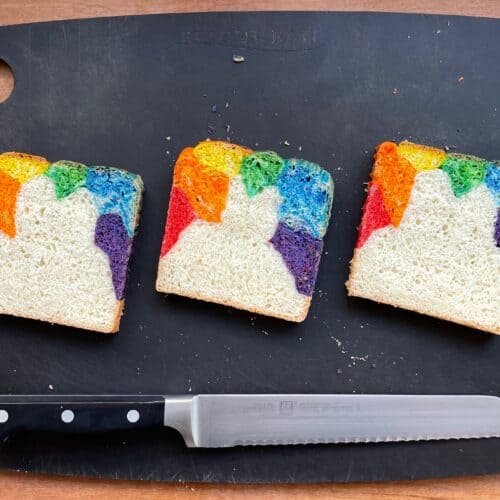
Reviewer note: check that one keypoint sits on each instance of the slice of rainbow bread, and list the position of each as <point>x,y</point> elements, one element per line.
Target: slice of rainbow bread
<point>66,233</point>
<point>430,235</point>
<point>245,229</point>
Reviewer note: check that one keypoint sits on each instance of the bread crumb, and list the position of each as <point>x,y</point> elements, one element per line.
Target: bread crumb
<point>237,58</point>
<point>360,358</point>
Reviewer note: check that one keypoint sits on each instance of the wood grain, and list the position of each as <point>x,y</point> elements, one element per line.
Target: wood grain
<point>16,11</point>
<point>22,486</point>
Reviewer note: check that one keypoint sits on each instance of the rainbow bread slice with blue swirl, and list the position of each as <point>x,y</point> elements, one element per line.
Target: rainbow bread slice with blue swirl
<point>429,238</point>
<point>245,229</point>
<point>66,233</point>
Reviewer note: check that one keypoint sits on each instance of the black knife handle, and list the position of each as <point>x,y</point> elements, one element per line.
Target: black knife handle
<point>79,413</point>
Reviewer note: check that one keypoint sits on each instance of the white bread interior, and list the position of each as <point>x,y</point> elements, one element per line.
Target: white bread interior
<point>52,270</point>
<point>233,262</point>
<point>442,260</point>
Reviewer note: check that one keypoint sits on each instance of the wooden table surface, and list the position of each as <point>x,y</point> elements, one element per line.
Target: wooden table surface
<point>24,486</point>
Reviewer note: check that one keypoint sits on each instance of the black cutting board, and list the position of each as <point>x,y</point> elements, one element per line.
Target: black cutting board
<point>110,91</point>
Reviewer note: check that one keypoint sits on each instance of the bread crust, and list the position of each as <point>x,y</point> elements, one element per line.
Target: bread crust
<point>14,154</point>
<point>378,298</point>
<point>298,318</point>
<point>421,146</point>
<point>54,320</point>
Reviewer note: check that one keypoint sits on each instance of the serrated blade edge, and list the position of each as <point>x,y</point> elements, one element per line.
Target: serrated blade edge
<point>278,419</point>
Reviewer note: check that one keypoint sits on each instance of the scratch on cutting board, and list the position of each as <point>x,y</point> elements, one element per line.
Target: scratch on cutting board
<point>349,470</point>
<point>64,34</point>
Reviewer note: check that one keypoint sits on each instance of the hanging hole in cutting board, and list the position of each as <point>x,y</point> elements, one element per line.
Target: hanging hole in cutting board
<point>6,81</point>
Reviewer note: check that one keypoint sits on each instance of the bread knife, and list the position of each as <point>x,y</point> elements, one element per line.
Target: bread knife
<point>223,420</point>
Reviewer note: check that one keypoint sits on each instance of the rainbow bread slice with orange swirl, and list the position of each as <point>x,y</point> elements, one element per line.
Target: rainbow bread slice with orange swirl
<point>245,229</point>
<point>429,238</point>
<point>66,233</point>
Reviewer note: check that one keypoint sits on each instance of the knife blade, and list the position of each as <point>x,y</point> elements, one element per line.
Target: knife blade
<point>224,420</point>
